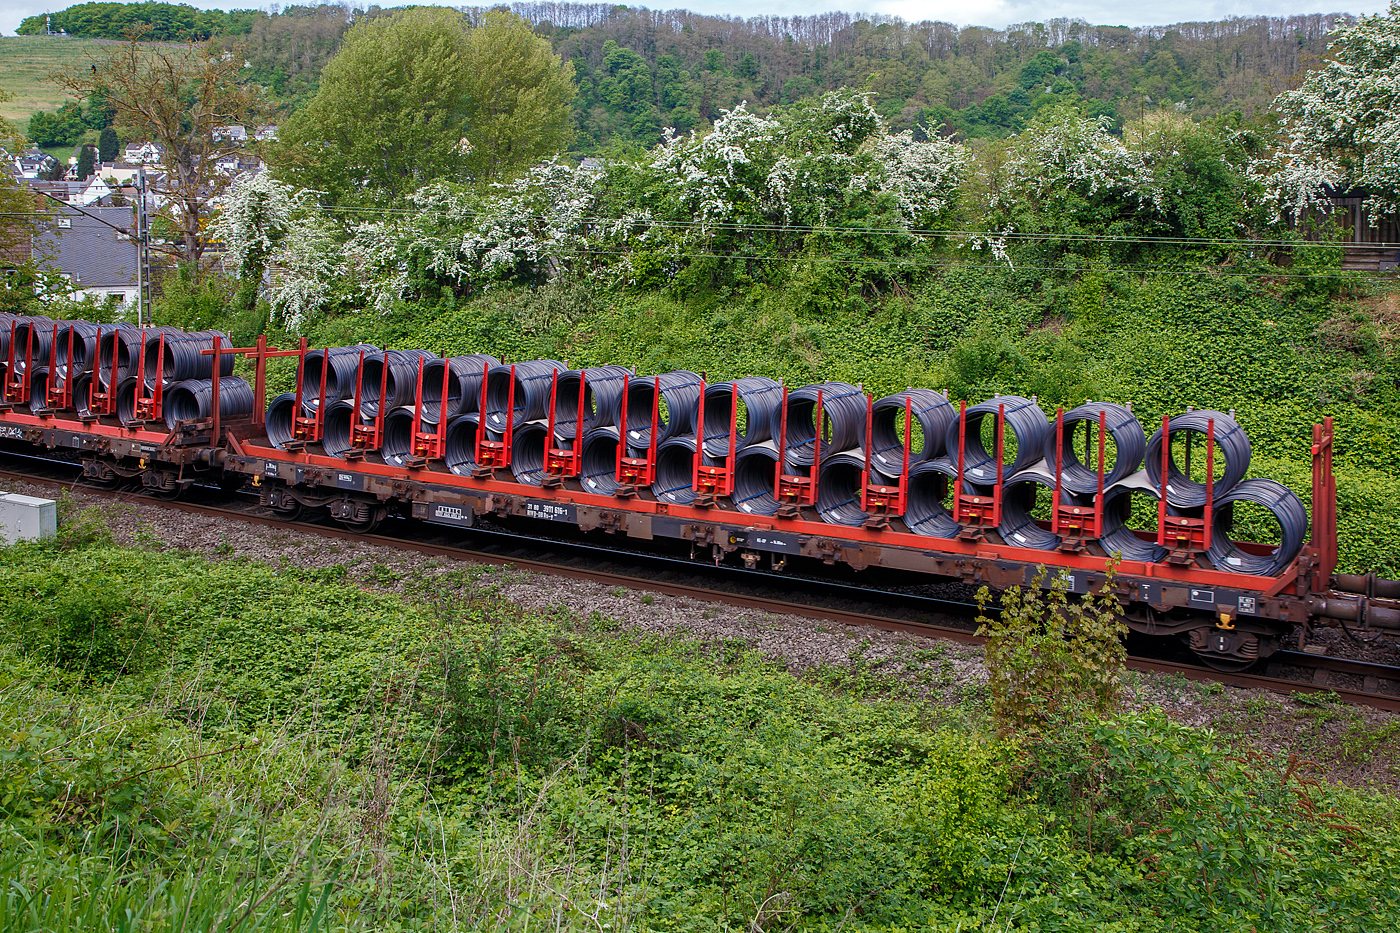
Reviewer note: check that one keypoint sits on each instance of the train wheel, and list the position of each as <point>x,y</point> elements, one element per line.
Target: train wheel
<point>288,514</point>
<point>361,526</point>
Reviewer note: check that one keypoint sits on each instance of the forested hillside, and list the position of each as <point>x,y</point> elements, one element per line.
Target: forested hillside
<point>639,70</point>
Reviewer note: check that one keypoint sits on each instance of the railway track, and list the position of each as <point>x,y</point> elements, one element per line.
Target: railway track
<point>1351,681</point>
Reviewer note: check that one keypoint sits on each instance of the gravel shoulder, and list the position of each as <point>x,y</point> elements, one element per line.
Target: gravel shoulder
<point>1350,745</point>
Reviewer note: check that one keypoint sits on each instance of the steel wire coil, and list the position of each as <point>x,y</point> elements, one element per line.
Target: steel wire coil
<point>33,335</point>
<point>464,374</point>
<point>675,415</point>
<point>193,399</point>
<point>1129,446</point>
<point>279,419</point>
<point>1231,443</point>
<point>598,460</point>
<point>460,447</point>
<point>336,426</point>
<point>1288,511</point>
<point>931,412</point>
<point>1116,536</point>
<point>839,488</point>
<point>126,400</point>
<point>1024,423</point>
<point>929,481</point>
<point>185,358</point>
<point>1019,527</point>
<point>399,385</point>
<point>6,321</point>
<point>82,387</point>
<point>675,470</point>
<point>533,380</point>
<point>38,389</point>
<point>397,443</point>
<point>843,421</point>
<point>602,397</point>
<point>129,341</point>
<point>761,399</point>
<point>81,336</point>
<point>527,449</point>
<point>342,369</point>
<point>755,471</point>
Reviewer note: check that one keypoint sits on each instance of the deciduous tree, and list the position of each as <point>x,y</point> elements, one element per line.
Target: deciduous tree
<point>176,97</point>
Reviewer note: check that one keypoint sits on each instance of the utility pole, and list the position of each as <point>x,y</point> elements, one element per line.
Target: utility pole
<point>143,249</point>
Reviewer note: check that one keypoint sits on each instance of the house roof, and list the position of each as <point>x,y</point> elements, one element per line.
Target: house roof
<point>89,252</point>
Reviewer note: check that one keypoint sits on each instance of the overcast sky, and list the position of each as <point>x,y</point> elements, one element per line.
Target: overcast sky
<point>962,12</point>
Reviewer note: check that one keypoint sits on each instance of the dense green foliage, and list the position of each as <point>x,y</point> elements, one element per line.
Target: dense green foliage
<point>190,744</point>
<point>161,22</point>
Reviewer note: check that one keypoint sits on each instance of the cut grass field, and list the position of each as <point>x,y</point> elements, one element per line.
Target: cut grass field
<point>27,66</point>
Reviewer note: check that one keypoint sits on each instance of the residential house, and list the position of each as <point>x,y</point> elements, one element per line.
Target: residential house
<point>142,153</point>
<point>33,163</point>
<point>95,259</point>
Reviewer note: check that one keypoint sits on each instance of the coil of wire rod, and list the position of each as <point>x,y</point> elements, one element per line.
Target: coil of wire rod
<point>82,388</point>
<point>193,399</point>
<point>527,448</point>
<point>760,400</point>
<point>464,375</point>
<point>7,320</point>
<point>1019,527</point>
<point>755,472</point>
<point>1025,426</point>
<point>460,447</point>
<point>1231,443</point>
<point>342,369</point>
<point>33,337</point>
<point>931,412</point>
<point>675,470</point>
<point>675,415</point>
<point>81,336</point>
<point>602,392</point>
<point>128,351</point>
<point>39,389</point>
<point>929,482</point>
<point>1120,425</point>
<point>126,400</point>
<point>1288,511</point>
<point>598,460</point>
<point>843,424</point>
<point>533,379</point>
<point>397,443</point>
<point>336,426</point>
<point>1117,537</point>
<point>839,488</point>
<point>399,385</point>
<point>279,419</point>
<point>184,356</point>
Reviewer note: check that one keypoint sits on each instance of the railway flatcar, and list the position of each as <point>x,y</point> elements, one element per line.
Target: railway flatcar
<point>744,471</point>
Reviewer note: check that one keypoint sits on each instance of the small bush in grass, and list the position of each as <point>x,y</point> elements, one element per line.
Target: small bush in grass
<point>1051,655</point>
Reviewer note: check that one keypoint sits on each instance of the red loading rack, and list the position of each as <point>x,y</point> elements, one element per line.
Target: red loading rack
<point>883,502</point>
<point>714,481</point>
<point>561,463</point>
<point>494,455</point>
<point>978,514</point>
<point>794,492</point>
<point>1076,524</point>
<point>634,473</point>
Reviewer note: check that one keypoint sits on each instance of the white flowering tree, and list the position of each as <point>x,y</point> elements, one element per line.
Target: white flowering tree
<point>1342,127</point>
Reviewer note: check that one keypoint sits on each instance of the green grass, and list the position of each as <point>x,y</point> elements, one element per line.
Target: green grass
<point>196,745</point>
<point>27,67</point>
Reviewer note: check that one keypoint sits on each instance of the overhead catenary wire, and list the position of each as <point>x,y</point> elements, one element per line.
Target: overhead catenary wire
<point>1231,444</point>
